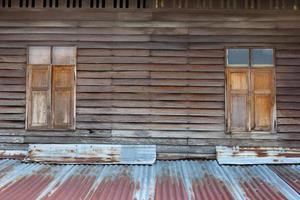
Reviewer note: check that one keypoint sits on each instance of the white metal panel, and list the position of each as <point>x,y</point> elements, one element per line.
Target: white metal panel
<point>257,155</point>
<point>92,153</point>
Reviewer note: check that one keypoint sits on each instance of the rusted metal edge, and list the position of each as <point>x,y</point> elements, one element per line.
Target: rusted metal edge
<point>13,154</point>
<point>257,155</point>
<point>91,154</point>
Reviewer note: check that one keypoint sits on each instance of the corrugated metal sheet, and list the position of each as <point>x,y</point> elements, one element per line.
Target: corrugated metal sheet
<point>257,155</point>
<point>290,174</point>
<point>91,153</point>
<point>165,180</point>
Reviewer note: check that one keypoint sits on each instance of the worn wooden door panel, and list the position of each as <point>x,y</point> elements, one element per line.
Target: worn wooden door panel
<point>263,94</point>
<point>239,112</point>
<point>62,108</point>
<point>38,96</point>
<point>237,99</point>
<point>262,109</point>
<point>63,96</point>
<point>39,109</point>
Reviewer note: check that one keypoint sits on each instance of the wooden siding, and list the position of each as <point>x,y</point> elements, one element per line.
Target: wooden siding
<point>150,77</point>
<point>157,4</point>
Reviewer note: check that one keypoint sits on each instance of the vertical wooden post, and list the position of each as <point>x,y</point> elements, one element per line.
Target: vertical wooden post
<point>133,4</point>
<point>15,3</point>
<point>109,4</point>
<point>282,4</point>
<point>39,4</point>
<point>210,4</point>
<point>234,4</point>
<point>277,4</point>
<point>228,4</point>
<point>271,4</point>
<point>252,6</point>
<point>62,4</point>
<point>246,6</point>
<point>86,3</point>
<point>258,4</point>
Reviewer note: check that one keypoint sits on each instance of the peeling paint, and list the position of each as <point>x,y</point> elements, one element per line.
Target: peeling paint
<point>257,155</point>
<point>91,154</point>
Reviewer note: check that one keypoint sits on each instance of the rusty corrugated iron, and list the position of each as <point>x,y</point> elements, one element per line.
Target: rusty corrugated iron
<point>13,154</point>
<point>91,154</point>
<point>290,174</point>
<point>165,180</point>
<point>257,155</point>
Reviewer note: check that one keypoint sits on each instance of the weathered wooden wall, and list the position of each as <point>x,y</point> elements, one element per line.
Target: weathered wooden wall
<point>151,76</point>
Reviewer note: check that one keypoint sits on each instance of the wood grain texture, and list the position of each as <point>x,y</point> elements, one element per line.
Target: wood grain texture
<point>150,77</point>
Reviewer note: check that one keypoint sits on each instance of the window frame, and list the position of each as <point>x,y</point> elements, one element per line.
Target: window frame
<point>238,65</point>
<point>249,67</point>
<point>28,109</point>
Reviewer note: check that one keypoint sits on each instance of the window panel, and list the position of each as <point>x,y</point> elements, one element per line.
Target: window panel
<point>64,55</point>
<point>39,55</point>
<point>62,108</point>
<point>63,96</point>
<point>262,57</point>
<point>40,77</point>
<point>239,113</point>
<point>250,99</point>
<point>262,98</point>
<point>237,99</point>
<point>39,108</point>
<point>51,88</point>
<point>262,106</point>
<point>238,81</point>
<point>38,96</point>
<point>238,57</point>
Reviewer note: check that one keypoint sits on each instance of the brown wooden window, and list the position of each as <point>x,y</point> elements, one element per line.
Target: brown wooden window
<point>250,93</point>
<point>51,88</point>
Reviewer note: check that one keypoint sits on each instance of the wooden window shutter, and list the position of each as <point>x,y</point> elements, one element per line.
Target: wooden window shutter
<point>51,88</point>
<point>63,96</point>
<point>39,92</point>
<point>263,98</point>
<point>237,99</point>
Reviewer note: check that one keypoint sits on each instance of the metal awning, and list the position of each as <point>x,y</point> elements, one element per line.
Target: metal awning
<point>176,180</point>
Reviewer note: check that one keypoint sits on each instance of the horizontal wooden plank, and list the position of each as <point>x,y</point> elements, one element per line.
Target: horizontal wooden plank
<point>93,140</point>
<point>152,111</point>
<point>13,117</point>
<point>243,142</point>
<point>12,59</point>
<point>289,128</point>
<point>168,26</point>
<point>12,95</point>
<point>13,51</point>
<point>146,104</point>
<point>288,121</point>
<point>153,89</point>
<point>12,88</point>
<point>290,105</point>
<point>152,96</point>
<point>150,119</point>
<point>12,73</point>
<point>12,124</point>
<point>151,126</point>
<point>10,102</point>
<point>12,110</point>
<point>11,139</point>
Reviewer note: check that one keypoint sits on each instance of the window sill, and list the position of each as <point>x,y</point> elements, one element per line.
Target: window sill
<point>253,135</point>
